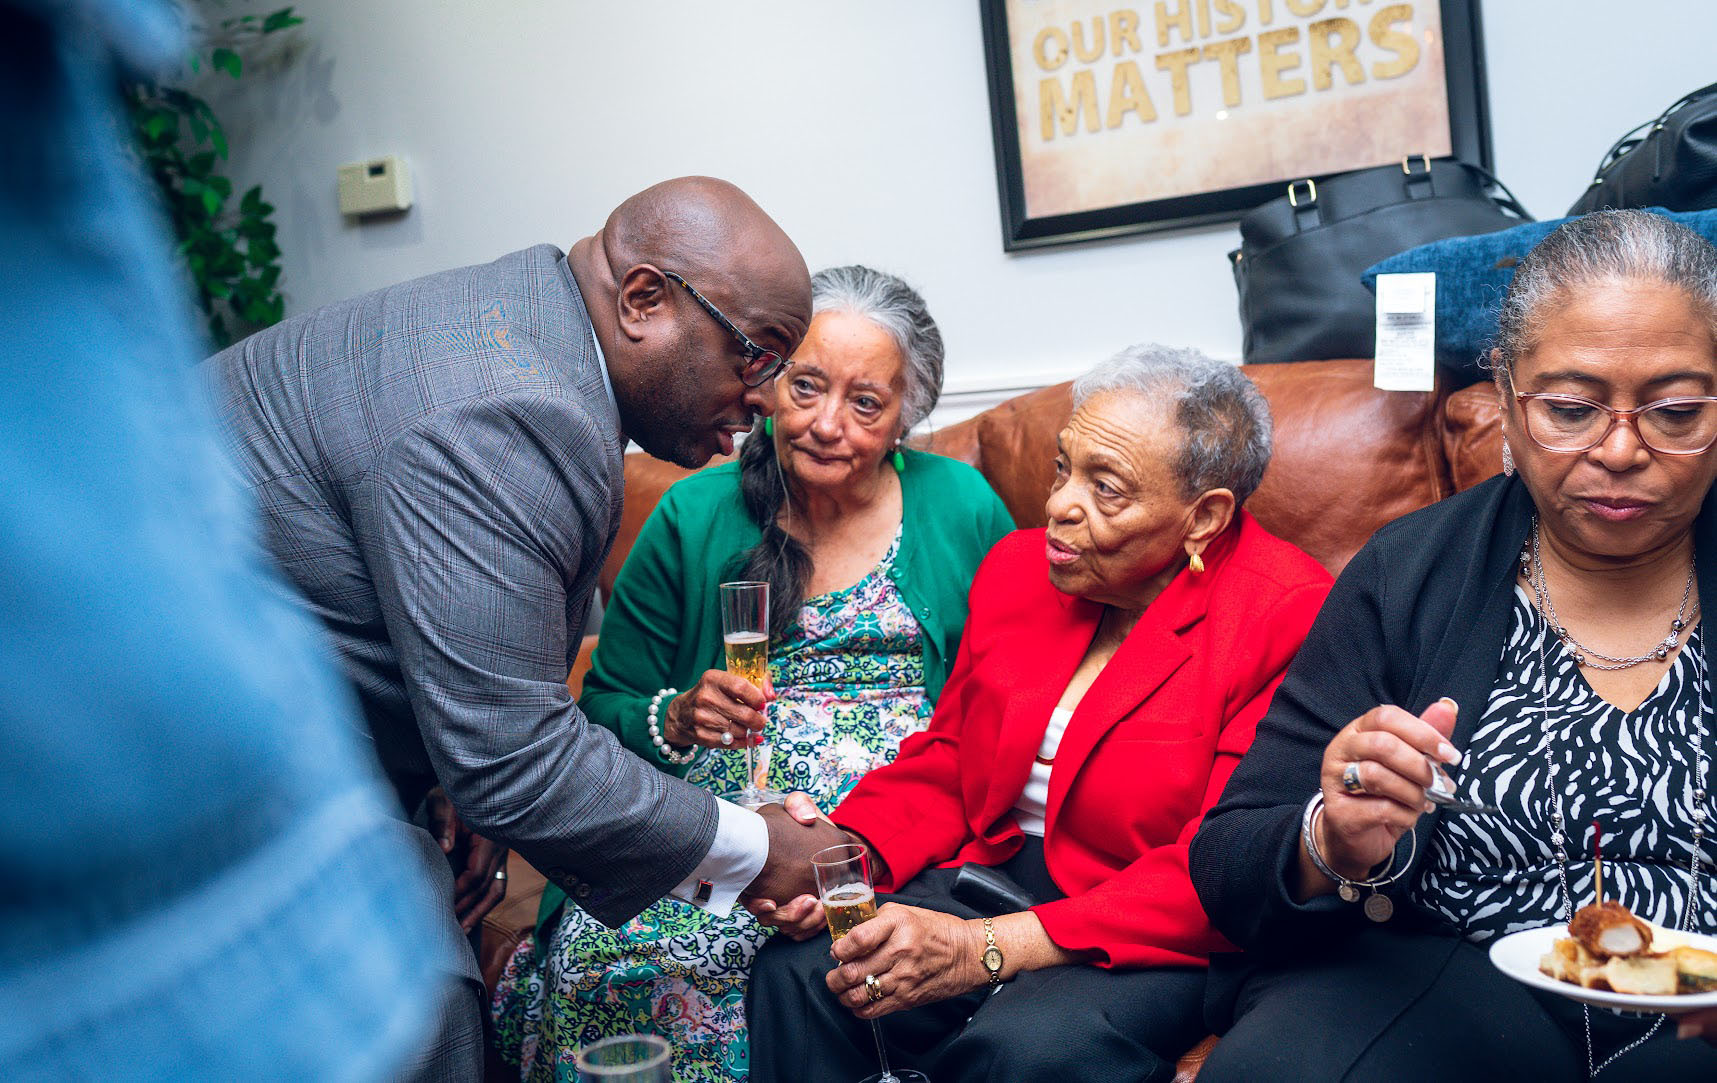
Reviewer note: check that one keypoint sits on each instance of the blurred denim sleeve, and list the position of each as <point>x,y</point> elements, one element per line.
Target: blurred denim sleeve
<point>198,874</point>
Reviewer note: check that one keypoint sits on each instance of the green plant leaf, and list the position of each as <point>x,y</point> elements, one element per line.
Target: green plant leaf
<point>280,20</point>
<point>229,251</point>
<point>160,123</point>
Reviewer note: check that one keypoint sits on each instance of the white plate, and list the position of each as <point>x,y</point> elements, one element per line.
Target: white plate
<point>1517,955</point>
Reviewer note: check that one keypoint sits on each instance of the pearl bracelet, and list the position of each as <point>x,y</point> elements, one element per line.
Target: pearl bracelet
<point>664,749</point>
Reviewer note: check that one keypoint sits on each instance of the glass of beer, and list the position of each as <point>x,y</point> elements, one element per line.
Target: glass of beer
<point>848,895</point>
<point>745,638</point>
<point>630,1058</point>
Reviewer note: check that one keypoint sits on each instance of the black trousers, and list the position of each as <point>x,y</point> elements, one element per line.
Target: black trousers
<point>1410,1006</point>
<point>1059,1024</point>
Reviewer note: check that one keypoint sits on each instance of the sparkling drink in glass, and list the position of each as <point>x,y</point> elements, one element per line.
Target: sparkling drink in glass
<point>745,639</point>
<point>748,655</point>
<point>848,895</point>
<point>848,906</point>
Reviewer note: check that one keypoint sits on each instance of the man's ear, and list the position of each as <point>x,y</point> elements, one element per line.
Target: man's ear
<point>642,296</point>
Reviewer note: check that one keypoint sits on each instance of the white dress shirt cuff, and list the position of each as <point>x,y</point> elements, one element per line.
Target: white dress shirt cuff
<point>735,858</point>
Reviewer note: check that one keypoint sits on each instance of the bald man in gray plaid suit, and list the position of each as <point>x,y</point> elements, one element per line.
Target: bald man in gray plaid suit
<point>438,466</point>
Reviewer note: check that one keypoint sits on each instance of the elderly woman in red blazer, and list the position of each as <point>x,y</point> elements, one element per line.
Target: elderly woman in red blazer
<point>1113,669</point>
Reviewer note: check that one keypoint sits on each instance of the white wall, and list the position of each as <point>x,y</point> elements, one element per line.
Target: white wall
<point>861,125</point>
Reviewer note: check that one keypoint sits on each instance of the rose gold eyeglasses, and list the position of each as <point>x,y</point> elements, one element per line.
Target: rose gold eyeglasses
<point>1571,424</point>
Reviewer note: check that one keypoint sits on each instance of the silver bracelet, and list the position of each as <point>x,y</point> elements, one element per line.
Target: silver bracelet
<point>1377,907</point>
<point>663,749</point>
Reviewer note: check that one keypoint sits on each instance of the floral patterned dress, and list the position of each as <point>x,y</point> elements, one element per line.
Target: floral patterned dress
<point>849,679</point>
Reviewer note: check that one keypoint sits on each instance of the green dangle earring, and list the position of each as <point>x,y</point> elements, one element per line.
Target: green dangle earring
<point>899,460</point>
<point>769,427</point>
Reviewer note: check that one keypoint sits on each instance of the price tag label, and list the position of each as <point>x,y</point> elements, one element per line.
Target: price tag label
<point>1406,332</point>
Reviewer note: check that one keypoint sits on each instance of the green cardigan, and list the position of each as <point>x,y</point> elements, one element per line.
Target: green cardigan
<point>662,628</point>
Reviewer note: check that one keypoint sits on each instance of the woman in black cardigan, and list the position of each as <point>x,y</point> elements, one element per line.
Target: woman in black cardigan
<point>1559,609</point>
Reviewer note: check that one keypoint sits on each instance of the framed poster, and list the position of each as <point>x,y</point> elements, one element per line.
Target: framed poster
<point>1114,118</point>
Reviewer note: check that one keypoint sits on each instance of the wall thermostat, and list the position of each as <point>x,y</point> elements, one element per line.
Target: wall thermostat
<point>375,186</point>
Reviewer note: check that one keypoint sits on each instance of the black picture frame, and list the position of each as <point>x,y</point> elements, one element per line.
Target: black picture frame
<point>1469,123</point>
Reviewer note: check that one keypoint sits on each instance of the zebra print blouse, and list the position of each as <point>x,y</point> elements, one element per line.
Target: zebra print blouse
<point>1634,772</point>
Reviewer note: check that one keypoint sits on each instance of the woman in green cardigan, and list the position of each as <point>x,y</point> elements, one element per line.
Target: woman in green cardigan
<point>869,549</point>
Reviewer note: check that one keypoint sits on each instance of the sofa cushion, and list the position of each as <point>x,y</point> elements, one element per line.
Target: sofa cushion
<point>1472,435</point>
<point>647,478</point>
<point>1473,272</point>
<point>1348,457</point>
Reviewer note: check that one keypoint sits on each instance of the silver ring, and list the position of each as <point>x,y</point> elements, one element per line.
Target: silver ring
<point>727,737</point>
<point>500,874</point>
<point>872,988</point>
<point>1350,780</point>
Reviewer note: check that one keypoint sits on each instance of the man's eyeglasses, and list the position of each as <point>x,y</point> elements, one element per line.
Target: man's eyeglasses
<point>761,365</point>
<point>1572,423</point>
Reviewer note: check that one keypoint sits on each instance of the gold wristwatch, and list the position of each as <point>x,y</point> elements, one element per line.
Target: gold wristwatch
<point>992,957</point>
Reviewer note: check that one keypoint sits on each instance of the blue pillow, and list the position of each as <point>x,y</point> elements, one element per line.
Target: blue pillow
<point>1473,272</point>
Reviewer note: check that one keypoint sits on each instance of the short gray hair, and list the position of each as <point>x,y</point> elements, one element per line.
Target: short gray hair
<point>1603,245</point>
<point>1225,423</point>
<point>897,308</point>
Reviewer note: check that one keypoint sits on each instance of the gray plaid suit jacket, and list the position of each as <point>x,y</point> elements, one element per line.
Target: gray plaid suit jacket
<point>438,465</point>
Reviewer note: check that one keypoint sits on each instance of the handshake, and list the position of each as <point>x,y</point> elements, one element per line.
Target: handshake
<point>796,831</point>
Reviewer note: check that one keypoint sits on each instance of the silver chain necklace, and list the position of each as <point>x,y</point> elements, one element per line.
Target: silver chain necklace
<point>1533,570</point>
<point>1583,654</point>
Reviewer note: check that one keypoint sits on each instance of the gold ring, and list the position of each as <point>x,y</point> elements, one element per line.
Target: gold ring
<point>872,988</point>
<point>1350,780</point>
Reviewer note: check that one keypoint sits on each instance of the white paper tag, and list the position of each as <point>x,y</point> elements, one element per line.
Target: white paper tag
<point>1406,332</point>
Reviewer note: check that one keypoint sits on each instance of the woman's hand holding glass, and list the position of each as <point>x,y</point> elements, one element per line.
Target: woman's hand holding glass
<point>1374,776</point>
<point>917,956</point>
<point>721,711</point>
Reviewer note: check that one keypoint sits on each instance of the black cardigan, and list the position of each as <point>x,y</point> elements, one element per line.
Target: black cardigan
<point>1420,613</point>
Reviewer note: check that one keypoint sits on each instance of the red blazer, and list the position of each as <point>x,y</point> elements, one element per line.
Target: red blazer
<point>1145,755</point>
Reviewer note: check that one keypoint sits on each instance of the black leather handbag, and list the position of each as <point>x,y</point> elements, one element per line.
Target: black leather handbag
<point>1300,258</point>
<point>1669,162</point>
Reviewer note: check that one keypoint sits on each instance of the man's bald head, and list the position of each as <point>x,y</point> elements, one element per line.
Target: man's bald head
<point>708,231</point>
<point>675,371</point>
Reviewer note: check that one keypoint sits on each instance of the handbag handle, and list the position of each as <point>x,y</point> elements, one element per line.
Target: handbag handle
<point>1657,151</point>
<point>1306,209</point>
<point>1632,138</point>
<point>1507,200</point>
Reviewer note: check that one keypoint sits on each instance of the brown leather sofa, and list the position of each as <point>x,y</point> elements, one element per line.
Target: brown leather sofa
<point>1348,459</point>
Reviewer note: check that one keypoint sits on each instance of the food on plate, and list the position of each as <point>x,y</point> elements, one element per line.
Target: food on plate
<point>1696,968</point>
<point>1609,948</point>
<point>1609,928</point>
<point>1647,975</point>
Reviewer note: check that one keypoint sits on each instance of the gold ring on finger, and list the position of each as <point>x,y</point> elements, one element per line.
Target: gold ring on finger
<point>1350,779</point>
<point>872,988</point>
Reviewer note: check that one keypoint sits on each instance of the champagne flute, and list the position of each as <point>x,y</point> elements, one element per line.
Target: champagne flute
<point>630,1058</point>
<point>848,895</point>
<point>745,638</point>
